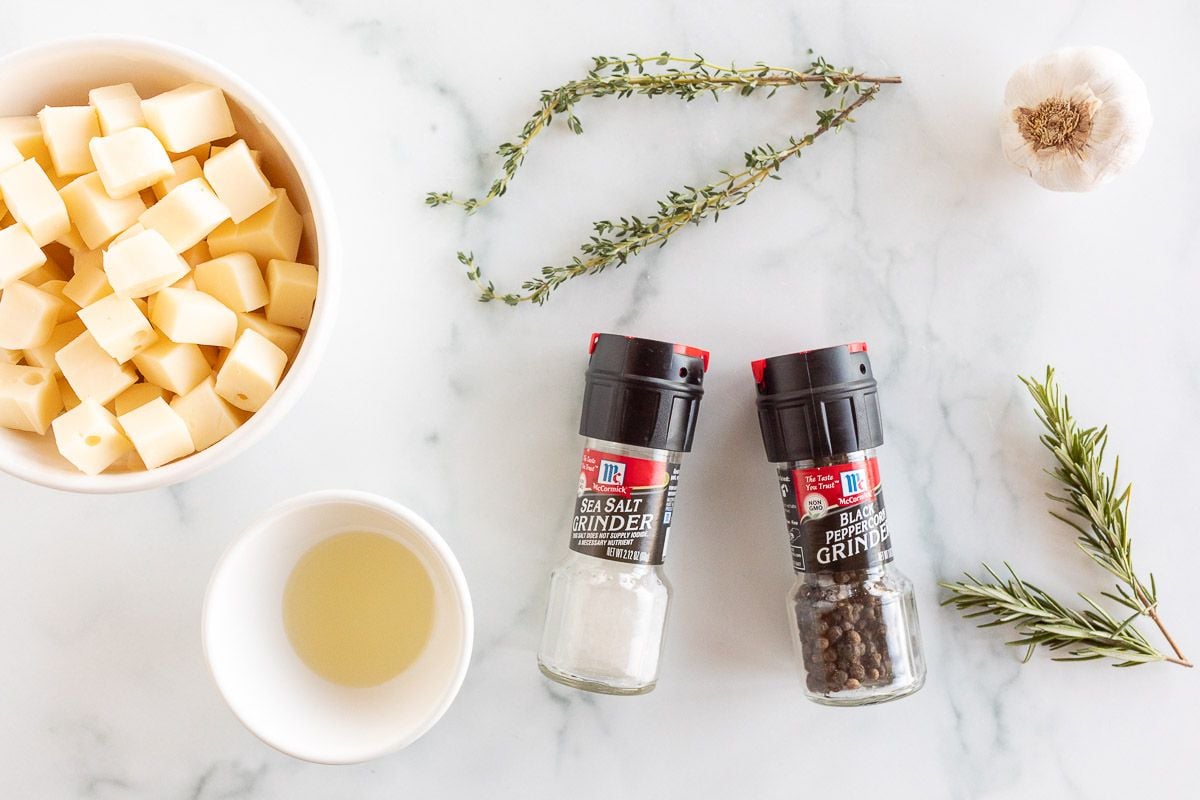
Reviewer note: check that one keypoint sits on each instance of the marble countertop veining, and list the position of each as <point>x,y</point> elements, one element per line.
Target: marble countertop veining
<point>908,231</point>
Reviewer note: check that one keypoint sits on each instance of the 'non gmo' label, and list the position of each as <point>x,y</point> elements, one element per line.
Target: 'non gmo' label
<point>623,510</point>
<point>836,518</point>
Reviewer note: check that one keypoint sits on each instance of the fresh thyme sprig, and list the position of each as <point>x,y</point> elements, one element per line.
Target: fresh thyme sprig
<point>613,243</point>
<point>1097,508</point>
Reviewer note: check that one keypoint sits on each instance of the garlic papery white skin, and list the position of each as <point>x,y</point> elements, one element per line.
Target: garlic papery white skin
<point>1075,119</point>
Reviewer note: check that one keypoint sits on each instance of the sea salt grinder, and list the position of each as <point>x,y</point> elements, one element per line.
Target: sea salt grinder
<point>609,597</point>
<point>853,615</point>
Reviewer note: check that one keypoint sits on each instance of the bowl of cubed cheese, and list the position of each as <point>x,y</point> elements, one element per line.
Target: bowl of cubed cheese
<point>168,265</point>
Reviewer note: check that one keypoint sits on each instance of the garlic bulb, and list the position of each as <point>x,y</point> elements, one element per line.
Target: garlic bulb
<point>1075,119</point>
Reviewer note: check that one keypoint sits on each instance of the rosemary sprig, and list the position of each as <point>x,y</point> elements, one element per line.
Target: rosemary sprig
<point>1097,508</point>
<point>613,243</point>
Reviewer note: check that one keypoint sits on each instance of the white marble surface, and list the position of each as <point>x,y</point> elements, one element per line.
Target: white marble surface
<point>909,232</point>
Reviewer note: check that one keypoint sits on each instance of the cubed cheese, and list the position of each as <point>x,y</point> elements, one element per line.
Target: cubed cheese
<point>238,182</point>
<point>251,371</point>
<point>142,264</point>
<point>10,156</point>
<point>69,307</point>
<point>175,367</point>
<point>235,280</point>
<point>71,239</point>
<point>25,133</point>
<point>182,170</point>
<point>186,215</point>
<point>34,202</point>
<point>67,131</point>
<point>254,154</point>
<point>130,161</point>
<point>197,255</point>
<point>286,339</point>
<point>137,396</point>
<point>45,355</point>
<point>118,326</point>
<point>89,283</point>
<point>191,115</point>
<point>208,417</point>
<point>273,232</point>
<point>293,290</point>
<point>190,316</point>
<point>158,433</point>
<point>90,437</point>
<point>117,107</point>
<point>93,373</point>
<point>96,215</point>
<point>29,398</point>
<point>128,233</point>
<point>28,316</point>
<point>70,399</point>
<point>19,254</point>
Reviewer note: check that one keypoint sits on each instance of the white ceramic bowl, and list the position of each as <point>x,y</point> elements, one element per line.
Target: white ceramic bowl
<point>266,684</point>
<point>61,73</point>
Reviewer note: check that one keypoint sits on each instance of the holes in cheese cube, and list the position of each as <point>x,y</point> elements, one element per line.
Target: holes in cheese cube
<point>89,283</point>
<point>96,215</point>
<point>158,433</point>
<point>190,316</point>
<point>90,437</point>
<point>130,161</point>
<point>239,183</point>
<point>186,215</point>
<point>137,396</point>
<point>67,131</point>
<point>45,355</point>
<point>93,373</point>
<point>182,170</point>
<point>19,254</point>
<point>251,371</point>
<point>175,367</point>
<point>286,339</point>
<point>235,280</point>
<point>29,398</point>
<point>293,290</point>
<point>189,116</point>
<point>208,417</point>
<point>118,326</point>
<point>273,232</point>
<point>28,316</point>
<point>34,202</point>
<point>117,108</point>
<point>143,264</point>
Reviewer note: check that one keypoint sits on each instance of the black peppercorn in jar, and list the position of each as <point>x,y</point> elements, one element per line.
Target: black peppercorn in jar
<point>854,618</point>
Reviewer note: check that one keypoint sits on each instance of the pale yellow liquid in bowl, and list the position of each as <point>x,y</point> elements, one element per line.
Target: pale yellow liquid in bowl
<point>358,608</point>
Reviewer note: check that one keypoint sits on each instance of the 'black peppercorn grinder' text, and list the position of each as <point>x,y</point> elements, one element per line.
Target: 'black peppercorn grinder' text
<point>854,619</point>
<point>609,597</point>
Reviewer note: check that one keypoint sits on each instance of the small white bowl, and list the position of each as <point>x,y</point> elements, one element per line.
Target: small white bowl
<point>61,73</point>
<point>266,684</point>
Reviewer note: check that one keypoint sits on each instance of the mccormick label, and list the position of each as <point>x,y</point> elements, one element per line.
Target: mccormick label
<point>623,510</point>
<point>836,517</point>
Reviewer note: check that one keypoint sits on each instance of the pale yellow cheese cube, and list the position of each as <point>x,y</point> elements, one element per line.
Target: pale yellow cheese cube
<point>34,202</point>
<point>197,255</point>
<point>190,316</point>
<point>71,239</point>
<point>293,289</point>
<point>286,339</point>
<point>183,170</point>
<point>89,283</point>
<point>93,373</point>
<point>251,371</point>
<point>10,156</point>
<point>186,215</point>
<point>69,398</point>
<point>69,306</point>
<point>273,232</point>
<point>117,107</point>
<point>235,280</point>
<point>175,367</point>
<point>96,215</point>
<point>25,133</point>
<point>238,181</point>
<point>137,396</point>
<point>158,433</point>
<point>208,417</point>
<point>28,316</point>
<point>45,355</point>
<point>118,326</point>
<point>142,264</point>
<point>191,115</point>
<point>67,131</point>
<point>128,233</point>
<point>19,254</point>
<point>130,161</point>
<point>90,437</point>
<point>29,398</point>
<point>254,154</point>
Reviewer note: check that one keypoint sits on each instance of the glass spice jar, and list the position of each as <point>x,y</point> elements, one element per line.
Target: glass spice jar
<point>853,614</point>
<point>609,598</point>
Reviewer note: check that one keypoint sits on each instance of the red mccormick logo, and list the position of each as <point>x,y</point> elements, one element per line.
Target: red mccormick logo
<point>611,473</point>
<point>854,481</point>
